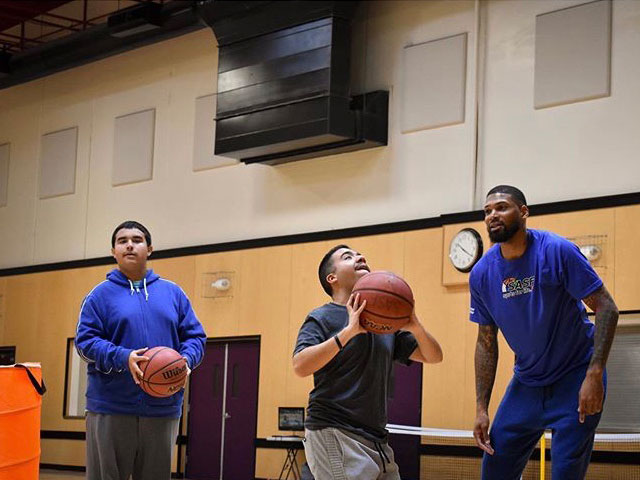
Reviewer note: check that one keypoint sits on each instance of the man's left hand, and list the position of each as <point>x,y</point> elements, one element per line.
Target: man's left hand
<point>591,395</point>
<point>412,324</point>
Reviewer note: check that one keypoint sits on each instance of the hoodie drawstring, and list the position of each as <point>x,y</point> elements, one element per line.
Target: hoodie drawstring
<point>383,456</point>
<point>144,285</point>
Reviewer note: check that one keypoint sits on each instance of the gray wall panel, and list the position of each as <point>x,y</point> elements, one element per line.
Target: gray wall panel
<point>58,163</point>
<point>133,147</point>
<point>573,54</point>
<point>434,83</point>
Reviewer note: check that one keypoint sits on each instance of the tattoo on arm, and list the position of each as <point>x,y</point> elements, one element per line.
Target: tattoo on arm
<point>606,311</point>
<point>486,363</point>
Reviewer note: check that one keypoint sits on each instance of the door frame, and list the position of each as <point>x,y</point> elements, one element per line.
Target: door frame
<point>221,340</point>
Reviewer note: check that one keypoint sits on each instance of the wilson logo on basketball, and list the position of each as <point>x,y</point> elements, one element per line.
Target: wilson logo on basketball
<point>379,327</point>
<point>174,372</point>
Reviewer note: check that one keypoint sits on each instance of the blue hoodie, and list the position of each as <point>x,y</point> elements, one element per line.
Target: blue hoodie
<point>116,318</point>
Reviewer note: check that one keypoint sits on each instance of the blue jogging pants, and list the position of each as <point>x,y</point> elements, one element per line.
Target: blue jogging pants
<point>525,412</point>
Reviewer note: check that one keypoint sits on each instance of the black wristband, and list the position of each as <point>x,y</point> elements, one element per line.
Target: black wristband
<point>335,337</point>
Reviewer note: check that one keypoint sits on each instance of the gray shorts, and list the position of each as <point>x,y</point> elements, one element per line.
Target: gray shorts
<point>334,454</point>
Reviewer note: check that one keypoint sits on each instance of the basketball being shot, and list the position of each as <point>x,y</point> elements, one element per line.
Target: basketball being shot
<point>389,302</point>
<point>351,365</point>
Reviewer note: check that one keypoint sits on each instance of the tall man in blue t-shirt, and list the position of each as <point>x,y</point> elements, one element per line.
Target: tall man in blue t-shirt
<point>531,286</point>
<point>347,413</point>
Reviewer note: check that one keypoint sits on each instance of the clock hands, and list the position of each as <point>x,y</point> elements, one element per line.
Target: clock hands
<point>462,248</point>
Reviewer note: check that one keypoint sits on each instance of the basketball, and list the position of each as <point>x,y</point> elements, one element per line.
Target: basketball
<point>165,372</point>
<point>389,301</point>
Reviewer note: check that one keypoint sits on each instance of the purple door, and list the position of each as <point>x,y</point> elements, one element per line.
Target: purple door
<point>404,408</point>
<point>223,412</point>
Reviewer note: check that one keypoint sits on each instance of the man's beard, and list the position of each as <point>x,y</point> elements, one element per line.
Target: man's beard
<point>505,234</point>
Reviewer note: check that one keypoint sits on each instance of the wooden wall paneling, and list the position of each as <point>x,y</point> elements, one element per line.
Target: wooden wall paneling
<point>504,371</point>
<point>180,270</point>
<point>3,314</point>
<point>443,313</point>
<point>58,307</point>
<point>450,403</point>
<point>59,302</point>
<point>21,307</point>
<point>220,315</point>
<point>264,310</point>
<point>306,294</point>
<point>626,259</point>
<point>61,296</point>
<point>63,452</point>
<point>451,276</point>
<point>265,290</point>
<point>382,252</point>
<point>42,313</point>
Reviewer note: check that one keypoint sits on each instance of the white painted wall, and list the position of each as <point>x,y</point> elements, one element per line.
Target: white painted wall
<point>579,150</point>
<point>555,153</point>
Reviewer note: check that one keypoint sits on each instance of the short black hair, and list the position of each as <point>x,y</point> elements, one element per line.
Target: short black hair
<point>514,192</point>
<point>131,224</point>
<point>325,268</point>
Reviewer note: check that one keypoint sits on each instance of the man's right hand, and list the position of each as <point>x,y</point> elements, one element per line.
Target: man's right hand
<point>135,357</point>
<point>481,432</point>
<point>355,308</point>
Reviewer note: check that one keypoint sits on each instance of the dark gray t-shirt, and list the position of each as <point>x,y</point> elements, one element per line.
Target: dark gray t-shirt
<point>350,392</point>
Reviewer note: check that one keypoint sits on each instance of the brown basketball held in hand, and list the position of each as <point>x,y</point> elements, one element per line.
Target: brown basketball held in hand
<point>389,301</point>
<point>165,372</point>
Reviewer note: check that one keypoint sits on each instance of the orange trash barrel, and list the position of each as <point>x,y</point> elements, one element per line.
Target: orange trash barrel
<point>21,390</point>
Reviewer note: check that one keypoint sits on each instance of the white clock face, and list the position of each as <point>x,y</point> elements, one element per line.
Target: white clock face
<point>465,249</point>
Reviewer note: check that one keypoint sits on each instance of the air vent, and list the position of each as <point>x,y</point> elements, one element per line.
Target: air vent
<point>283,83</point>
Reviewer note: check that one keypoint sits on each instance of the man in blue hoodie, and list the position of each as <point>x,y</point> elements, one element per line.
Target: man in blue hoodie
<point>128,431</point>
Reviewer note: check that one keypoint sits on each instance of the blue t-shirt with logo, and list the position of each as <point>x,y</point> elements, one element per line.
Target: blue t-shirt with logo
<point>536,301</point>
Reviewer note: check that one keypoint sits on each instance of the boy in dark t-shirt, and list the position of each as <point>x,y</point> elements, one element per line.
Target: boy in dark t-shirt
<point>531,285</point>
<point>347,412</point>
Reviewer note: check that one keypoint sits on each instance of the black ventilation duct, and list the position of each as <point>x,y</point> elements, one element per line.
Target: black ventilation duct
<point>284,82</point>
<point>134,20</point>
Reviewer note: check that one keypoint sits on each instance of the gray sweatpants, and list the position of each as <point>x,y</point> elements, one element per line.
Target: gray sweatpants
<point>120,446</point>
<point>334,454</point>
